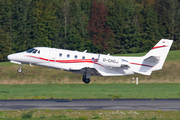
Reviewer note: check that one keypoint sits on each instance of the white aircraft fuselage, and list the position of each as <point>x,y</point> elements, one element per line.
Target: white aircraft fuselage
<point>89,64</point>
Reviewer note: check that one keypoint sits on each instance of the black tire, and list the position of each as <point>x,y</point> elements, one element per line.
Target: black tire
<point>86,80</point>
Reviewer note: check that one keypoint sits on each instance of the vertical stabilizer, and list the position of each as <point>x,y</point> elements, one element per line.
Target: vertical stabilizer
<point>157,55</point>
<point>155,58</point>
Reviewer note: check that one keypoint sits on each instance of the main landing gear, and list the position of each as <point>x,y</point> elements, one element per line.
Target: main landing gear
<point>87,76</point>
<point>20,69</point>
<point>86,80</point>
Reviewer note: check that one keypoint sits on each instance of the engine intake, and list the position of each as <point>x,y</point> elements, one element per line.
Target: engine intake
<point>109,61</point>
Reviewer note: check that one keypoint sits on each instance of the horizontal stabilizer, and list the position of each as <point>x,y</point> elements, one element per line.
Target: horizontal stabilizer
<point>153,59</point>
<point>143,73</point>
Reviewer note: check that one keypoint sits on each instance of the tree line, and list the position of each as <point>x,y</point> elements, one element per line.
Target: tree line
<point>99,26</point>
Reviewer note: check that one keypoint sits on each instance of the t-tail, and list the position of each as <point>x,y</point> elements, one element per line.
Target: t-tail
<point>155,58</point>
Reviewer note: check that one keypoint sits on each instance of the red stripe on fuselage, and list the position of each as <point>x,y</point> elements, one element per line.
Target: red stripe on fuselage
<point>99,64</point>
<point>37,57</point>
<point>67,61</point>
<point>79,61</point>
<point>75,61</point>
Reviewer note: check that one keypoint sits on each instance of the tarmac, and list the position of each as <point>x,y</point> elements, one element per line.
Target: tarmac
<point>92,104</point>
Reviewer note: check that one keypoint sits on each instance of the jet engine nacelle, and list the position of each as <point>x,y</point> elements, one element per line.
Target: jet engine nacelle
<point>109,61</point>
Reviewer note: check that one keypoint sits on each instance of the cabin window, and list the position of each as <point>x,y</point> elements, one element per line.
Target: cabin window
<point>60,54</point>
<point>83,58</point>
<point>68,55</point>
<point>75,56</point>
<point>93,59</point>
<point>39,52</point>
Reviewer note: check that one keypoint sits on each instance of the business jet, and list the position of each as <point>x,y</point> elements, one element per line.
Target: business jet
<point>89,64</point>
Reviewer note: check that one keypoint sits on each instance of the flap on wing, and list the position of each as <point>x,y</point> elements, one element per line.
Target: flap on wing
<point>74,68</point>
<point>153,59</point>
<point>143,73</point>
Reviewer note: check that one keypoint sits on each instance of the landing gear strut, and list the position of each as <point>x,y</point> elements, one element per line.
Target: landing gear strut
<point>20,69</point>
<point>86,80</point>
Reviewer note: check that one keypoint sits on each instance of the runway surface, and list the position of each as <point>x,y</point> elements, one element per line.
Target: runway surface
<point>93,104</point>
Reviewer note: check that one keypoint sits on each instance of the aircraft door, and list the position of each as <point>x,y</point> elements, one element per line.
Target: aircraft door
<point>52,57</point>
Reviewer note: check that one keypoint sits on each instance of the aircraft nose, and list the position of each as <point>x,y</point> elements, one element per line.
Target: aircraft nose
<point>11,57</point>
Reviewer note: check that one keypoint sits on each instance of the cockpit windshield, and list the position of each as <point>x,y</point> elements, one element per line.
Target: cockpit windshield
<point>32,50</point>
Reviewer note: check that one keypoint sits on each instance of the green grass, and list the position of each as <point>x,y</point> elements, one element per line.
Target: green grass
<point>173,55</point>
<point>89,91</point>
<point>7,64</point>
<point>70,114</point>
<point>131,54</point>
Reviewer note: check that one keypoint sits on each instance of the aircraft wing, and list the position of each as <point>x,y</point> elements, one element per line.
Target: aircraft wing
<point>92,71</point>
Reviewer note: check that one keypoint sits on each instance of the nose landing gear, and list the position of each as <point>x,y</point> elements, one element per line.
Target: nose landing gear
<point>20,69</point>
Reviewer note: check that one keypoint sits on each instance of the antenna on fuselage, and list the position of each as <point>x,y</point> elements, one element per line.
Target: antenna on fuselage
<point>85,51</point>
